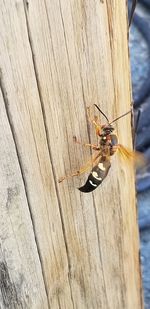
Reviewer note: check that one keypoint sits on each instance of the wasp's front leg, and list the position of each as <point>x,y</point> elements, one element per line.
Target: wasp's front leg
<point>93,146</point>
<point>94,121</point>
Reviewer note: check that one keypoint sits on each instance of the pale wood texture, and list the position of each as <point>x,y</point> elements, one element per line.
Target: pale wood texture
<point>61,248</point>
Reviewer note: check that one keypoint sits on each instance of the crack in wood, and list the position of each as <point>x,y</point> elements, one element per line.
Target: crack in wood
<point>8,290</point>
<point>6,103</point>
<point>50,156</point>
<point>100,254</point>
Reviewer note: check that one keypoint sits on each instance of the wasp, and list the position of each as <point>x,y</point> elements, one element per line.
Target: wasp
<point>106,147</point>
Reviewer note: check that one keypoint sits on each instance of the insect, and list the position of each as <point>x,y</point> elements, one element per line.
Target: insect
<point>106,147</point>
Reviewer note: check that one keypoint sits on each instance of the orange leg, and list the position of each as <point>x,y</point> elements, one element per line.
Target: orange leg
<point>94,121</point>
<point>83,169</point>
<point>93,146</point>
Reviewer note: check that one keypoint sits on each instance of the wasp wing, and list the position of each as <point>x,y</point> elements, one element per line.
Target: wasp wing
<point>132,156</point>
<point>97,175</point>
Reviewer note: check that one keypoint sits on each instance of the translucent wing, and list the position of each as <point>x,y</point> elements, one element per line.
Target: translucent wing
<point>132,156</point>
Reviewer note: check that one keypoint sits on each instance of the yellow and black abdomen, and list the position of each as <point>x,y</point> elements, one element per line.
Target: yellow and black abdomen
<point>100,171</point>
<point>97,175</point>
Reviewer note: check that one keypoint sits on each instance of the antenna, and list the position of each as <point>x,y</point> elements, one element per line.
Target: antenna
<point>121,116</point>
<point>102,113</point>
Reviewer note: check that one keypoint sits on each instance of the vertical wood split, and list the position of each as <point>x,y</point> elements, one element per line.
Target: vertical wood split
<point>61,248</point>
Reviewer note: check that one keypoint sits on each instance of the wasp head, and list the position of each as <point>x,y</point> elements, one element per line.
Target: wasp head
<point>107,129</point>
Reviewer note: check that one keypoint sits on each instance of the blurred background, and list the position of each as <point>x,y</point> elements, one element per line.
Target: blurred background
<point>139,44</point>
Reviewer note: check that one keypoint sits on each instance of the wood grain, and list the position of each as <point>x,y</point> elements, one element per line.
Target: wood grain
<point>61,248</point>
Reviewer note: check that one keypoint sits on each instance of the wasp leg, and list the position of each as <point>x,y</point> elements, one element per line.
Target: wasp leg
<point>94,121</point>
<point>93,146</point>
<point>83,169</point>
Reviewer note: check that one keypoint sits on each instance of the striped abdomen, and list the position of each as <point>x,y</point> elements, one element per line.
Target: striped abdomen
<point>98,173</point>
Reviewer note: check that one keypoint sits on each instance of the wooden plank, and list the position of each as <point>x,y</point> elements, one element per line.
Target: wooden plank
<point>21,279</point>
<point>19,85</point>
<point>58,57</point>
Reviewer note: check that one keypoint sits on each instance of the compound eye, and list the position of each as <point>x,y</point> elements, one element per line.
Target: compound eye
<point>114,139</point>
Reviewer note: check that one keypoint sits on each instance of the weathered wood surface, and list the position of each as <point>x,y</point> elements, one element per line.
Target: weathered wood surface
<point>60,248</point>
